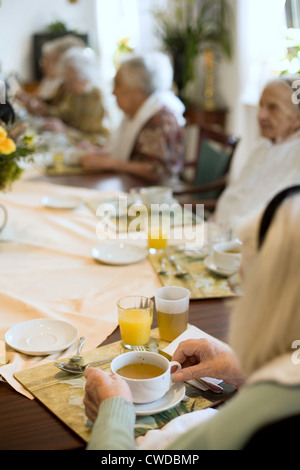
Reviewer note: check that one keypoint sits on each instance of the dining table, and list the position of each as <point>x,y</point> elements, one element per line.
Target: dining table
<point>37,284</point>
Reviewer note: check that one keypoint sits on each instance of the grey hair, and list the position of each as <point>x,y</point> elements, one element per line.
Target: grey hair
<point>266,319</point>
<point>58,46</point>
<point>83,63</point>
<point>292,82</point>
<point>151,71</point>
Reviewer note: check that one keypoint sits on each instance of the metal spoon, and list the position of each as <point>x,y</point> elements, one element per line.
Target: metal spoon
<point>78,369</point>
<point>179,271</point>
<point>162,271</point>
<point>77,358</point>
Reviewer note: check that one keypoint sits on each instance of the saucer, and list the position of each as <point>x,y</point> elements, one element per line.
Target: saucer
<point>119,253</point>
<point>209,264</point>
<point>60,202</point>
<point>169,400</point>
<point>41,336</point>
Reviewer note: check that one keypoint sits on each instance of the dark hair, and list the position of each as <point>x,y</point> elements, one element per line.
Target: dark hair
<point>271,209</point>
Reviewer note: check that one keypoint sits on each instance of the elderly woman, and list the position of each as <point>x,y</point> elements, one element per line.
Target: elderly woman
<point>50,86</point>
<point>149,142</point>
<point>81,102</point>
<point>264,335</point>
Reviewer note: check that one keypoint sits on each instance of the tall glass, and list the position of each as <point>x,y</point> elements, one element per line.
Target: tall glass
<point>135,315</point>
<point>172,310</point>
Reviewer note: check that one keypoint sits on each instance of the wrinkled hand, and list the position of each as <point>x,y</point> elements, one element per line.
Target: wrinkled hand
<point>100,386</point>
<point>205,358</point>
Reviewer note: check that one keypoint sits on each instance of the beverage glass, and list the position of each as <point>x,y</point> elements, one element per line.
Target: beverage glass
<point>157,238</point>
<point>172,310</point>
<point>135,315</point>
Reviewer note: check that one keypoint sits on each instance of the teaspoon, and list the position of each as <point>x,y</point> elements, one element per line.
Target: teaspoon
<point>179,271</point>
<point>162,271</point>
<point>77,358</point>
<point>78,369</point>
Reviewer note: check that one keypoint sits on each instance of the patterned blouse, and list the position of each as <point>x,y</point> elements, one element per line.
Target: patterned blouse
<point>161,143</point>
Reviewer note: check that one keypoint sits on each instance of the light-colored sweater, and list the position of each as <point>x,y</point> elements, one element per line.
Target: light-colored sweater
<point>271,394</point>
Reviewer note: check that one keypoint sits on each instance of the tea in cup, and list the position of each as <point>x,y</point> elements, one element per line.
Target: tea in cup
<point>148,374</point>
<point>227,255</point>
<point>172,310</point>
<point>135,314</point>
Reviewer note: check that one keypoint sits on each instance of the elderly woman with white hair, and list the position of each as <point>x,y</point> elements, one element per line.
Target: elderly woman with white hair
<point>81,105</point>
<point>264,366</point>
<point>150,140</point>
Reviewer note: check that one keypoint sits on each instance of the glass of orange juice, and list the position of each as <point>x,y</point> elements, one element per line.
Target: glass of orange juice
<point>157,238</point>
<point>135,315</point>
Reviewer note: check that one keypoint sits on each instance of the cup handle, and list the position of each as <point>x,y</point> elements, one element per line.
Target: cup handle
<point>175,364</point>
<point>4,217</point>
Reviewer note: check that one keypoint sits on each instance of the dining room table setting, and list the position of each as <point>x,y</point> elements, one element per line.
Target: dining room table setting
<point>69,254</point>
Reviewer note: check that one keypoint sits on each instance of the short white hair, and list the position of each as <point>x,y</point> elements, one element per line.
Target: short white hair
<point>59,46</point>
<point>151,71</point>
<point>266,319</point>
<point>83,62</point>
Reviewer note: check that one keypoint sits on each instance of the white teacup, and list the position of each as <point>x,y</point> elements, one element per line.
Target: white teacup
<point>227,255</point>
<point>149,389</point>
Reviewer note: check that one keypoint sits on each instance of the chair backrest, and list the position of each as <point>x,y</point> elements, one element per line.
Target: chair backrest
<point>215,152</point>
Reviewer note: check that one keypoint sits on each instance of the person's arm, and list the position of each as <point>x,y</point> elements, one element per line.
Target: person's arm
<point>108,404</point>
<point>205,358</point>
<point>102,161</point>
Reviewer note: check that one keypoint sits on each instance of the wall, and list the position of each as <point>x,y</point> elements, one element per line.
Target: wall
<point>19,19</point>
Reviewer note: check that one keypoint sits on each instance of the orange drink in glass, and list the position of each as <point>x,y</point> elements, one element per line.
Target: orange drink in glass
<point>135,316</point>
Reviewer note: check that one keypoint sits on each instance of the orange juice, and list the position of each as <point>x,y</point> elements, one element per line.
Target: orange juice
<point>135,325</point>
<point>157,239</point>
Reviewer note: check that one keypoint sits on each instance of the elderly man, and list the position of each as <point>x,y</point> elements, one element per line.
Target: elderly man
<point>274,163</point>
<point>150,140</point>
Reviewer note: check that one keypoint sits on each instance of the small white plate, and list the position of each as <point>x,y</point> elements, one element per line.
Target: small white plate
<point>169,400</point>
<point>41,337</point>
<point>119,253</point>
<point>61,202</point>
<point>209,263</point>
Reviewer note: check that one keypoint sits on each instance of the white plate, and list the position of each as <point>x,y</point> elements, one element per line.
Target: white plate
<point>41,336</point>
<point>61,202</point>
<point>169,400</point>
<point>209,263</point>
<point>119,253</point>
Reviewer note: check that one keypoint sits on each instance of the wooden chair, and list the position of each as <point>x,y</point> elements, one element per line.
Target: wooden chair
<point>211,168</point>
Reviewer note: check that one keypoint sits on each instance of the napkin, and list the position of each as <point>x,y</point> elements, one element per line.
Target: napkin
<point>192,332</point>
<point>3,359</point>
<point>158,439</point>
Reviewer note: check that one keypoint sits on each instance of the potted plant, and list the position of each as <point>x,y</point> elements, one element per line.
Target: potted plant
<point>191,27</point>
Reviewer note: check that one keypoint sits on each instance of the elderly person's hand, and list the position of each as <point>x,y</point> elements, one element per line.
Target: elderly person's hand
<point>99,161</point>
<point>54,125</point>
<point>100,386</point>
<point>204,358</point>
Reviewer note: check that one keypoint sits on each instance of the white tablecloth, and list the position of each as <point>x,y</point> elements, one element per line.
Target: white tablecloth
<point>47,270</point>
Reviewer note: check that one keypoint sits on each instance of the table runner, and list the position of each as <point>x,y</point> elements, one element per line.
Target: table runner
<point>47,271</point>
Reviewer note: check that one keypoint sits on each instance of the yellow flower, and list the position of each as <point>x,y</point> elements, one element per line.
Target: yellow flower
<point>3,133</point>
<point>7,146</point>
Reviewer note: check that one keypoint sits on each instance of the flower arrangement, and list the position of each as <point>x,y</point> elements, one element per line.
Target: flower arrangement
<point>10,155</point>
